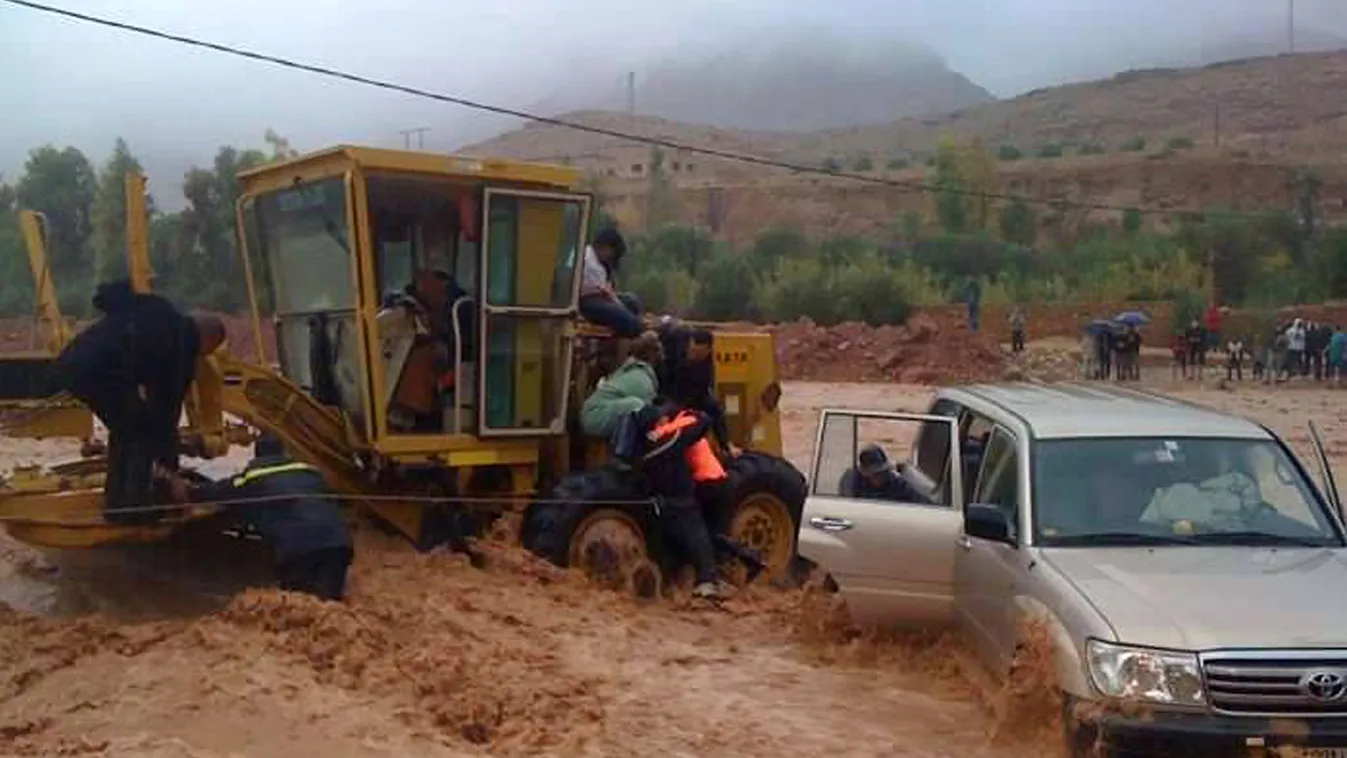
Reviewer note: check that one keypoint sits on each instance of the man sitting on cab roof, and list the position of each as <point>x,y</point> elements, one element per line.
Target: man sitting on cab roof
<point>599,301</point>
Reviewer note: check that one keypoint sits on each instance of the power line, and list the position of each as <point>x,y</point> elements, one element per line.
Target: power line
<point>924,187</point>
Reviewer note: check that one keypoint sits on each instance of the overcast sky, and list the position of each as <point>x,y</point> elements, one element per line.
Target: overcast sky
<point>73,83</point>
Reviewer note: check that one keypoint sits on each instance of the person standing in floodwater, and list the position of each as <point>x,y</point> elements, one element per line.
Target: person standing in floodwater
<point>1017,330</point>
<point>972,293</point>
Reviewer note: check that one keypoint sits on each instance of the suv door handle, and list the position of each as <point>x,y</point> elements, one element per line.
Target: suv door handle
<point>965,542</point>
<point>830,524</point>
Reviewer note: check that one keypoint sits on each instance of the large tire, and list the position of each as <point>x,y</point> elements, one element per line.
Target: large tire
<point>764,504</point>
<point>549,527</point>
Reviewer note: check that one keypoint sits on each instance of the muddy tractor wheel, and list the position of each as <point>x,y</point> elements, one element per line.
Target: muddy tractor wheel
<point>592,523</point>
<point>765,500</point>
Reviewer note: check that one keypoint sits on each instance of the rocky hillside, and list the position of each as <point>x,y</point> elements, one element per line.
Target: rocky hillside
<point>1275,116</point>
<point>798,82</point>
<point>1280,107</point>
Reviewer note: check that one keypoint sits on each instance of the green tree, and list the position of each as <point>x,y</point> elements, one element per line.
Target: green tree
<point>1331,262</point>
<point>898,163</point>
<point>910,225</point>
<point>1092,148</point>
<point>280,146</point>
<point>62,185</point>
<point>837,252</point>
<point>979,172</point>
<point>207,271</point>
<point>110,213</point>
<point>831,164</point>
<point>677,247</point>
<point>1053,150</point>
<point>16,294</point>
<point>1179,143</point>
<point>801,288</point>
<point>1308,187</point>
<point>863,163</point>
<point>1009,153</point>
<point>1019,225</point>
<point>951,189</point>
<point>1134,145</point>
<point>869,292</point>
<point>726,292</point>
<point>1131,221</point>
<point>774,246</point>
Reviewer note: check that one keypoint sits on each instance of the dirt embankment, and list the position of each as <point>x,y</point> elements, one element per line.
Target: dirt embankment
<point>922,351</point>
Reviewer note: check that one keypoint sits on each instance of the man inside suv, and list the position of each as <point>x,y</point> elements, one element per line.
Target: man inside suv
<point>874,477</point>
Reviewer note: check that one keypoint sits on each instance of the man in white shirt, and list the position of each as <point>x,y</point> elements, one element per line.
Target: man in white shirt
<point>1295,348</point>
<point>599,301</point>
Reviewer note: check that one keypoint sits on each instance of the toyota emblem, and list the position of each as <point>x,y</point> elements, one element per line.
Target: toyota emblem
<point>1324,686</point>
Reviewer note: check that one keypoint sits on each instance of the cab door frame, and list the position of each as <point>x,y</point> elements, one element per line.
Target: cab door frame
<point>892,561</point>
<point>486,310</point>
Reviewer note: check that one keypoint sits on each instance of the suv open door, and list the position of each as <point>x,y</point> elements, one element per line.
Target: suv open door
<point>887,541</point>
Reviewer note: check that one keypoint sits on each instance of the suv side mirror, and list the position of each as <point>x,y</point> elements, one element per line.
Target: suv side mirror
<point>986,522</point>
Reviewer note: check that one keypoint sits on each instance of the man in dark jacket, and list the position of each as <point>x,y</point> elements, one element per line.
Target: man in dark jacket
<point>132,368</point>
<point>304,528</point>
<point>669,434</point>
<point>874,478</point>
<point>688,374</point>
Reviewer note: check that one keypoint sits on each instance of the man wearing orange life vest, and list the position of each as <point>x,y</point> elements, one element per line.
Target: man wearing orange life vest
<point>677,458</point>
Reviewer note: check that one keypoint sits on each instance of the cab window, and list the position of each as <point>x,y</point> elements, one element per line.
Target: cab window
<point>534,242</point>
<point>424,235</point>
<point>869,457</point>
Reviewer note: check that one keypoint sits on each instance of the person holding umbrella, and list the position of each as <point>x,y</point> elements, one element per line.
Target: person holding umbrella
<point>1104,346</point>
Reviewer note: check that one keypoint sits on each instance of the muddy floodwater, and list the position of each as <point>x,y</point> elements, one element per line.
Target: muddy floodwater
<point>159,655</point>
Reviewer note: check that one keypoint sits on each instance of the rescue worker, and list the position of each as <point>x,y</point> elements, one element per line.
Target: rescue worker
<point>308,537</point>
<point>688,374</point>
<point>875,478</point>
<point>132,368</point>
<point>631,387</point>
<point>676,456</point>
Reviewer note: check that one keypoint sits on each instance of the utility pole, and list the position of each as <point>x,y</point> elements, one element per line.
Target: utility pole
<point>631,98</point>
<point>1218,123</point>
<point>418,133</point>
<point>1291,25</point>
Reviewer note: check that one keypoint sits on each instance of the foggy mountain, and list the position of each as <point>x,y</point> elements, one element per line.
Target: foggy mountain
<point>804,82</point>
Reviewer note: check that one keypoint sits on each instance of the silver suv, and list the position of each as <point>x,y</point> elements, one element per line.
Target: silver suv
<point>1180,557</point>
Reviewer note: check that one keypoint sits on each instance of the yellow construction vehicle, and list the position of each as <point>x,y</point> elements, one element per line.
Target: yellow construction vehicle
<point>27,382</point>
<point>372,268</point>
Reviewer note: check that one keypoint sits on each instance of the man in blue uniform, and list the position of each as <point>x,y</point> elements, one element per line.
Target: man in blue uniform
<point>293,514</point>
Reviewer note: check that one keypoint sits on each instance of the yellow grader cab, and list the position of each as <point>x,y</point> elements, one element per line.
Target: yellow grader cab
<point>338,249</point>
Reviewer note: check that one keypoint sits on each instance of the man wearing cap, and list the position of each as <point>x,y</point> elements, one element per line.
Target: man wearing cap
<point>875,478</point>
<point>599,301</point>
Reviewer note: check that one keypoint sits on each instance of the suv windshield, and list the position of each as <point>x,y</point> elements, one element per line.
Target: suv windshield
<point>1174,491</point>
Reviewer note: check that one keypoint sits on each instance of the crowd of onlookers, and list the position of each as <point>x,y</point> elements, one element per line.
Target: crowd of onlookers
<point>1293,349</point>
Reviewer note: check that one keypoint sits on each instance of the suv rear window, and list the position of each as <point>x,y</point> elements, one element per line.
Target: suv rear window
<point>1210,491</point>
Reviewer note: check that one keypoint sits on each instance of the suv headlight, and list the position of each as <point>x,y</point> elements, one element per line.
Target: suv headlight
<point>1168,677</point>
